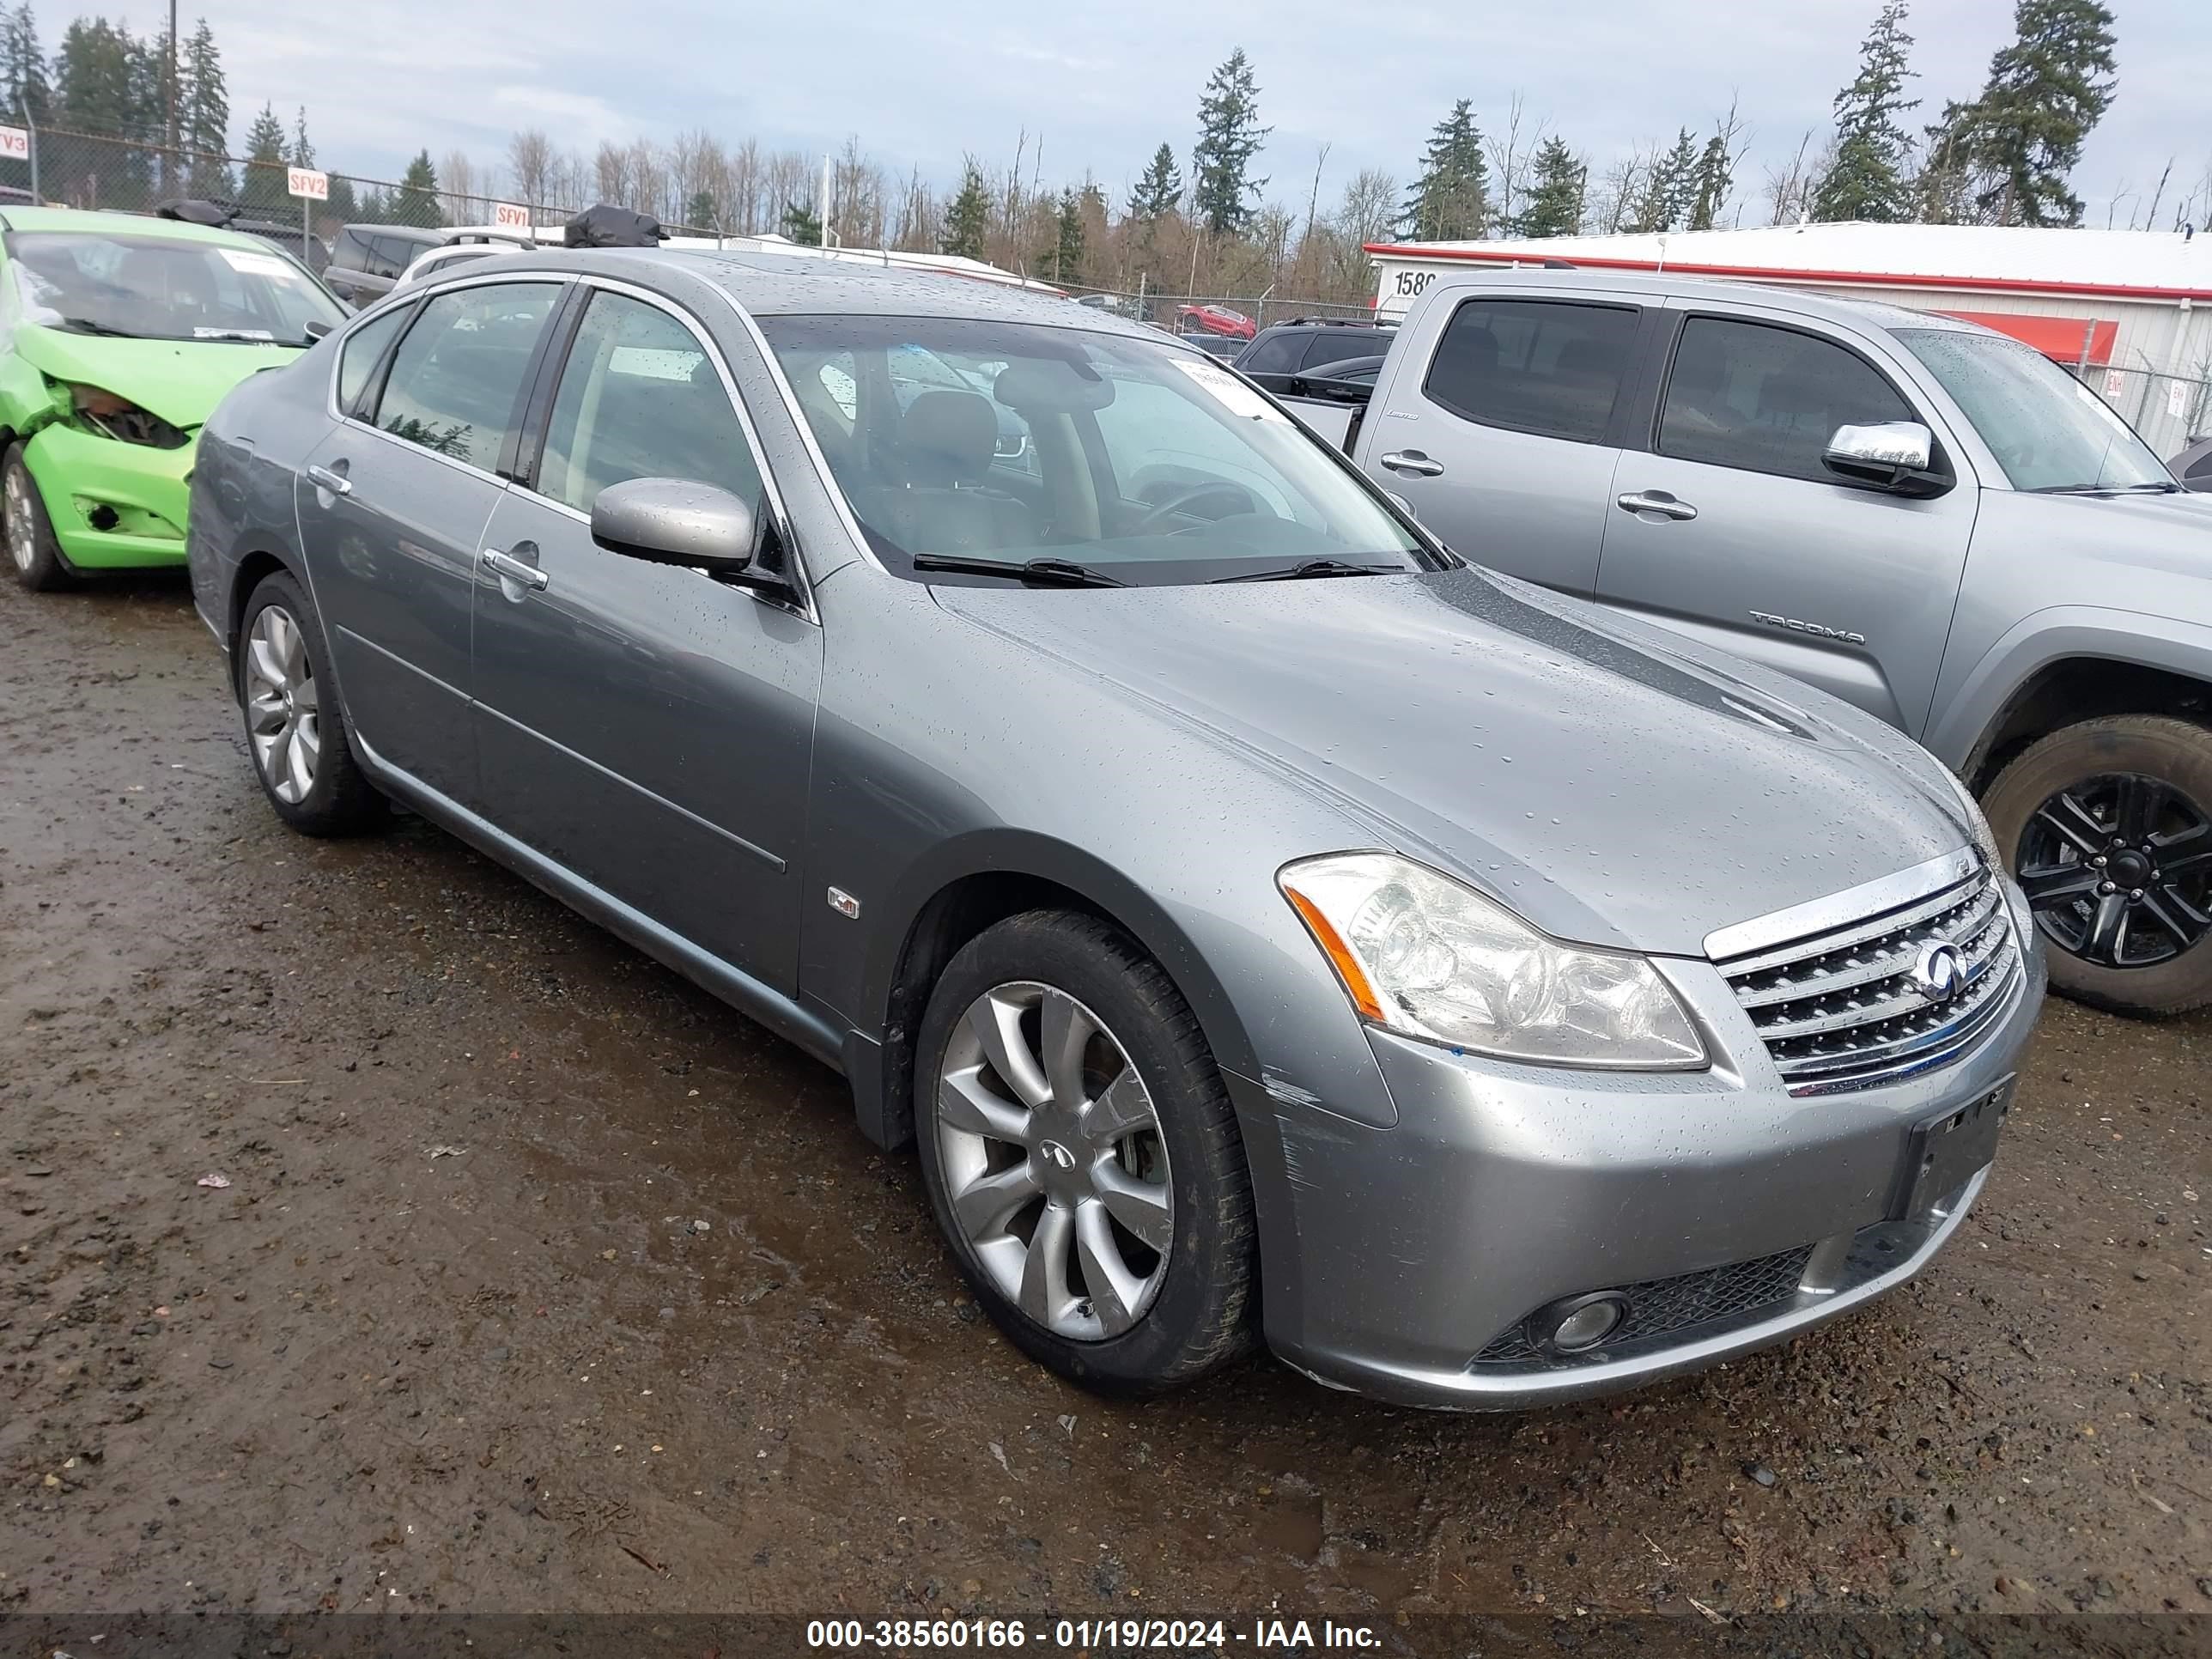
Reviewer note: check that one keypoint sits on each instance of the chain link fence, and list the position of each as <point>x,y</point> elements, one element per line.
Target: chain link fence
<point>2166,408</point>
<point>1215,312</point>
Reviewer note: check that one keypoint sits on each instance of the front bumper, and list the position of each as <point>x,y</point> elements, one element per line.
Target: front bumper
<point>114,506</point>
<point>1393,1257</point>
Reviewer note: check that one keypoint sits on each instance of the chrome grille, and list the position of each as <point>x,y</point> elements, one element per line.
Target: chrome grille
<point>1841,1009</point>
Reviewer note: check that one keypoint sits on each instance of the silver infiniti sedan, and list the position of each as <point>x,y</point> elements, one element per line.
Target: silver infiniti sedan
<point>1269,928</point>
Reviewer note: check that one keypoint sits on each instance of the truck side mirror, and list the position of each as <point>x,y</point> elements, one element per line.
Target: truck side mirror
<point>1898,456</point>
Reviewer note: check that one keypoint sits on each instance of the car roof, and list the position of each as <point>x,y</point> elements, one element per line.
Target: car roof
<point>780,285</point>
<point>1644,285</point>
<point>120,224</point>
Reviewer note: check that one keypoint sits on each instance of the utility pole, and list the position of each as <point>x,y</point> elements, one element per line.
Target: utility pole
<point>170,171</point>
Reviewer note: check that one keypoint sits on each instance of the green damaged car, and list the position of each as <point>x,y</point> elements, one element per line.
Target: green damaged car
<point>118,336</point>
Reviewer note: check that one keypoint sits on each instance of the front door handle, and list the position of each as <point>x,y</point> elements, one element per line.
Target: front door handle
<point>324,479</point>
<point>1411,460</point>
<point>1655,500</point>
<point>513,569</point>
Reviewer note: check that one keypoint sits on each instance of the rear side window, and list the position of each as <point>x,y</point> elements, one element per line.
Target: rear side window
<point>1336,344</point>
<point>639,398</point>
<point>351,251</point>
<point>2201,467</point>
<point>458,375</point>
<point>1767,400</point>
<point>358,356</point>
<point>1276,355</point>
<point>1542,366</point>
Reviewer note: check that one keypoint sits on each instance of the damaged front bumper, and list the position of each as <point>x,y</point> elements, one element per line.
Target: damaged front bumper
<point>114,506</point>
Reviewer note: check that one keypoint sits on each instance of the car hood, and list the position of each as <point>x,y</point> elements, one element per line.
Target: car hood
<point>179,380</point>
<point>1609,790</point>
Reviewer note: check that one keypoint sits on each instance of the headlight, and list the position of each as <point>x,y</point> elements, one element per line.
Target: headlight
<point>1977,826</point>
<point>1421,955</point>
<point>118,417</point>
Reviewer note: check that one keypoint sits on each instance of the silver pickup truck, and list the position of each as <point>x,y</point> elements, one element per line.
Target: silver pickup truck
<point>1915,514</point>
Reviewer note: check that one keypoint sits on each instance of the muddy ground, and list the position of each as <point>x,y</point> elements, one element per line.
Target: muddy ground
<point>543,1282</point>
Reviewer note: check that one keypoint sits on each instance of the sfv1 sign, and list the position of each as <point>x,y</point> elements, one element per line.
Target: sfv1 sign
<point>506,215</point>
<point>306,182</point>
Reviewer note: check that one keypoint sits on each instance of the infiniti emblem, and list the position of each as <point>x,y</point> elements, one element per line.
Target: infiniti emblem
<point>1940,972</point>
<point>1057,1155</point>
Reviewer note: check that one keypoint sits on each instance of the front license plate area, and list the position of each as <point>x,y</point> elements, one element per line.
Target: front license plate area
<point>1943,1151</point>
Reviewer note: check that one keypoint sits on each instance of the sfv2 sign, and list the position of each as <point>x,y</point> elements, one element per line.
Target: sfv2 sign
<point>306,182</point>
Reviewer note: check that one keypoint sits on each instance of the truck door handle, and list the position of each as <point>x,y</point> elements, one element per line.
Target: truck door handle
<point>337,483</point>
<point>1411,460</point>
<point>1655,500</point>
<point>503,565</point>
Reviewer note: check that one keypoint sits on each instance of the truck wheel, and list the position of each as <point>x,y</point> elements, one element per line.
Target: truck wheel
<point>1083,1159</point>
<point>32,548</point>
<point>2108,826</point>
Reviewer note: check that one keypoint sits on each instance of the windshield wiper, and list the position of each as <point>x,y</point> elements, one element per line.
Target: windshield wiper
<point>2154,486</point>
<point>1051,572</point>
<point>1316,567</point>
<point>86,325</point>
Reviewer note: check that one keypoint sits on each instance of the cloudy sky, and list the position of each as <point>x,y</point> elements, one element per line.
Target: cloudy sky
<point>921,83</point>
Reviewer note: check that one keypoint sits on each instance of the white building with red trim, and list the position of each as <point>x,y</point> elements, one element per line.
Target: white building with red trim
<point>2129,310</point>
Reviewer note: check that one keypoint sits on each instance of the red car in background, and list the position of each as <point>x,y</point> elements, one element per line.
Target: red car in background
<point>1214,319</point>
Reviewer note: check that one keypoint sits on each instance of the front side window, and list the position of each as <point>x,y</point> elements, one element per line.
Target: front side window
<point>639,398</point>
<point>150,287</point>
<point>359,353</point>
<point>458,375</point>
<point>1767,400</point>
<point>2047,430</point>
<point>1146,462</point>
<point>1277,354</point>
<point>1543,366</point>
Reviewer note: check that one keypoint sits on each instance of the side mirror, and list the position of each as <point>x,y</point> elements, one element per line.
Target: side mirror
<point>677,521</point>
<point>1898,456</point>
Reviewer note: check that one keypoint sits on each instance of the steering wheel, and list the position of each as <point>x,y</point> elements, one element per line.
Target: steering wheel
<point>1237,498</point>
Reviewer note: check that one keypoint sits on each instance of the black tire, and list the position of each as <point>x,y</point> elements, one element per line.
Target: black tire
<point>1204,1314</point>
<point>34,554</point>
<point>339,800</point>
<point>2176,753</point>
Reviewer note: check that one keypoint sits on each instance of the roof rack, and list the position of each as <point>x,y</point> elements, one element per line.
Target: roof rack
<point>1327,322</point>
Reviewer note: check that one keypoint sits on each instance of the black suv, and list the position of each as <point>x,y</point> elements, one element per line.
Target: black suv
<point>1284,352</point>
<point>366,260</point>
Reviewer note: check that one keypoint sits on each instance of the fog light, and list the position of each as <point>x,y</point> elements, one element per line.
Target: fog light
<point>1575,1326</point>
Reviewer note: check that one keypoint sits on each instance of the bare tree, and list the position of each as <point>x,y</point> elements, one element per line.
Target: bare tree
<point>530,165</point>
<point>1790,185</point>
<point>1510,149</point>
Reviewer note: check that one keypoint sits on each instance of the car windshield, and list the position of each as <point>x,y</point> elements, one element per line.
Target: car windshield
<point>2048,430</point>
<point>152,288</point>
<point>1136,460</point>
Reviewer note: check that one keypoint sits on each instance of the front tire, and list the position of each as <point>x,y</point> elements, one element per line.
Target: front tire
<point>32,553</point>
<point>2108,826</point>
<point>1082,1157</point>
<point>296,727</point>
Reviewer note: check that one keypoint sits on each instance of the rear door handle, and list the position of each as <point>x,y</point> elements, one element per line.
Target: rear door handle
<point>1655,500</point>
<point>513,569</point>
<point>1411,460</point>
<point>322,478</point>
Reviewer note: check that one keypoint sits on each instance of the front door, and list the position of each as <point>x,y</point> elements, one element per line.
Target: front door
<point>1731,529</point>
<point>646,727</point>
<point>392,507</point>
<point>1498,427</point>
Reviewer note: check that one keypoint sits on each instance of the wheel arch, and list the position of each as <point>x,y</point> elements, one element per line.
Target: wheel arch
<point>256,561</point>
<point>971,883</point>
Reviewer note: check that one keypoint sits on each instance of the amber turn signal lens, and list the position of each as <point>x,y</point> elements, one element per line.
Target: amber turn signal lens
<point>1339,954</point>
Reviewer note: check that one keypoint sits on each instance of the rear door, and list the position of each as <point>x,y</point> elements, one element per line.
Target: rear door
<point>646,726</point>
<point>1498,424</point>
<point>393,508</point>
<point>1727,526</point>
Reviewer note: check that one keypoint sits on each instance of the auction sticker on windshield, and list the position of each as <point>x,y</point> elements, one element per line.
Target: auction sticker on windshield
<point>1228,391</point>
<point>254,265</point>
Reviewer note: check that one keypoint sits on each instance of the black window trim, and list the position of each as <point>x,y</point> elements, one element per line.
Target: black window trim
<point>1669,348</point>
<point>371,388</point>
<point>1609,435</point>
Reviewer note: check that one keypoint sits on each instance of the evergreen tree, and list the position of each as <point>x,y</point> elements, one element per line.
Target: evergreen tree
<point>303,149</point>
<point>1714,177</point>
<point>969,215</point>
<point>1159,190</point>
<point>1553,206</point>
<point>1867,179</point>
<point>267,155</point>
<point>1228,136</point>
<point>95,85</point>
<point>701,212</point>
<point>2017,142</point>
<point>799,225</point>
<point>1065,255</point>
<point>343,208</point>
<point>416,203</point>
<point>23,66</point>
<point>1450,200</point>
<point>1670,188</point>
<point>203,115</point>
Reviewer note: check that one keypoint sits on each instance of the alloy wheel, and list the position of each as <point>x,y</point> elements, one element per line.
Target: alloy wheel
<point>22,539</point>
<point>2118,869</point>
<point>283,715</point>
<point>1055,1167</point>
